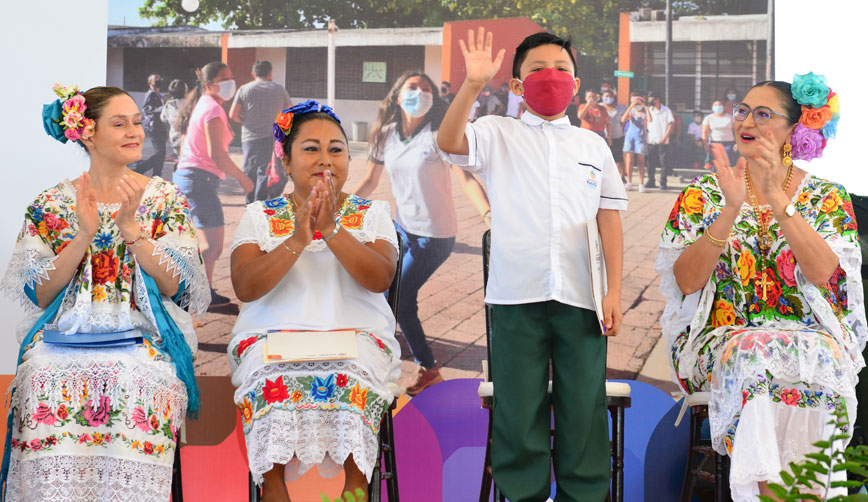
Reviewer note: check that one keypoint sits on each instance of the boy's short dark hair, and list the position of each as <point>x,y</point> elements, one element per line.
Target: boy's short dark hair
<point>262,69</point>
<point>654,94</point>
<point>535,40</point>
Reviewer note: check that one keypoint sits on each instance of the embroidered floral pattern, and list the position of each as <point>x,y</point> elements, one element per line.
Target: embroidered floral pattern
<point>281,217</point>
<point>314,392</point>
<point>758,317</point>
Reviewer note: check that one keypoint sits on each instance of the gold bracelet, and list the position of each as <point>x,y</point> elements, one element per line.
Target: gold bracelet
<point>712,239</point>
<point>297,255</point>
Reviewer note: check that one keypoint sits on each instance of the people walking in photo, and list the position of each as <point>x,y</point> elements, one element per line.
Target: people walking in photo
<point>254,106</point>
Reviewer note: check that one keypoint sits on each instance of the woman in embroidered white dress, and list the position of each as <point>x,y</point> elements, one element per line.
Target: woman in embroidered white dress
<point>314,259</point>
<point>111,252</point>
<point>760,265</point>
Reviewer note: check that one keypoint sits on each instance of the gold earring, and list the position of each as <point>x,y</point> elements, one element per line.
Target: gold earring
<point>788,158</point>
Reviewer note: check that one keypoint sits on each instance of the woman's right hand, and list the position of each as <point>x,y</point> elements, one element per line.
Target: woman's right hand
<point>305,222</point>
<point>85,208</point>
<point>730,178</point>
<point>480,68</point>
<point>247,185</point>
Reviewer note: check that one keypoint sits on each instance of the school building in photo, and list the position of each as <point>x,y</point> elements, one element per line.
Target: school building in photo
<point>367,61</point>
<point>709,55</point>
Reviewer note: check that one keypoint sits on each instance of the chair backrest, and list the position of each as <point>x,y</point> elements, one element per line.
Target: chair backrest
<point>394,292</point>
<point>860,209</point>
<point>486,252</point>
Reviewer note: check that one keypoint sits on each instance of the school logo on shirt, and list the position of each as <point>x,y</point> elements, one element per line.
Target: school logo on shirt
<point>592,179</point>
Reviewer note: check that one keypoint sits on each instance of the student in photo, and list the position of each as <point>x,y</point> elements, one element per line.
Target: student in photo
<point>403,141</point>
<point>717,128</point>
<point>545,179</point>
<point>636,117</point>
<point>340,250</point>
<point>205,161</point>
<point>615,139</point>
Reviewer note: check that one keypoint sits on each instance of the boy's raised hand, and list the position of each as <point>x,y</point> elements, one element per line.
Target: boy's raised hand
<point>479,66</point>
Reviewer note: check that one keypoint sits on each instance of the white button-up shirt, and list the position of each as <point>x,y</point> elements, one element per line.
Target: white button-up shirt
<point>545,180</point>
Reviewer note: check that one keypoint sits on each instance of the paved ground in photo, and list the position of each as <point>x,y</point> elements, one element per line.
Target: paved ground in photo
<point>451,303</point>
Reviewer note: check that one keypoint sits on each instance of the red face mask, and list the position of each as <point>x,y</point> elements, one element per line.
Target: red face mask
<point>548,92</point>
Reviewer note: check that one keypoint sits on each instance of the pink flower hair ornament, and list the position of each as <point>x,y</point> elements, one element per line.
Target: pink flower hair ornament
<point>64,119</point>
<point>819,120</point>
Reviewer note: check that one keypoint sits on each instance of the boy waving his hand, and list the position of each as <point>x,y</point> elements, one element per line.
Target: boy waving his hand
<point>545,180</point>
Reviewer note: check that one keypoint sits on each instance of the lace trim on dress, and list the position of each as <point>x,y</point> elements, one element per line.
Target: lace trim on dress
<point>67,375</point>
<point>182,258</point>
<point>27,267</point>
<point>79,478</point>
<point>310,437</point>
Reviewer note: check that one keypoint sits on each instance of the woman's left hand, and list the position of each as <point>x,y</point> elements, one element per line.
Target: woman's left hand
<point>130,191</point>
<point>327,197</point>
<point>768,173</point>
<point>612,313</point>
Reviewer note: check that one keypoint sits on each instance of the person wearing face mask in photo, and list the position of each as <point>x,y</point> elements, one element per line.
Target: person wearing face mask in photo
<point>403,140</point>
<point>205,162</point>
<point>546,179</point>
<point>446,92</point>
<point>717,128</point>
<point>636,117</point>
<point>615,139</point>
<point>731,99</point>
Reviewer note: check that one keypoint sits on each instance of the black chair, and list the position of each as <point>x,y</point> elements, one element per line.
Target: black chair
<point>386,468</point>
<point>177,488</point>
<point>700,453</point>
<point>617,397</point>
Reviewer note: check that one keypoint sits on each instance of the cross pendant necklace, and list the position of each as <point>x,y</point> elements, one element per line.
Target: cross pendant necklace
<point>764,236</point>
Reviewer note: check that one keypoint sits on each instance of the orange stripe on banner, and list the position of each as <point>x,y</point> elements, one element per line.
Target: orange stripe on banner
<point>5,380</point>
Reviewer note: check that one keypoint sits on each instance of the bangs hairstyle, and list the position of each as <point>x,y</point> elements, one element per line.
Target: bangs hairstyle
<point>390,110</point>
<point>535,40</point>
<point>785,89</point>
<point>297,121</point>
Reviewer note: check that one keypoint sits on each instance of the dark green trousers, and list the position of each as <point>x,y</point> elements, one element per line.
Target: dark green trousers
<point>524,339</point>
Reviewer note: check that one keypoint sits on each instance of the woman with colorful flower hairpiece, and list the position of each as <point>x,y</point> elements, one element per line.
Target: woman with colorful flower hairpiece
<point>760,266</point>
<point>204,162</point>
<point>315,259</point>
<point>404,142</point>
<point>110,254</point>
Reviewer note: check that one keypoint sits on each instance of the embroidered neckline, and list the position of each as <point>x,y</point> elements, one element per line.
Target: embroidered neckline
<point>111,206</point>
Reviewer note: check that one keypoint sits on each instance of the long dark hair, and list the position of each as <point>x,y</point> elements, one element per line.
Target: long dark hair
<point>390,110</point>
<point>785,89</point>
<point>204,76</point>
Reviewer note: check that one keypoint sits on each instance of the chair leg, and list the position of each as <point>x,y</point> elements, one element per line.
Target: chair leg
<point>487,480</point>
<point>719,483</point>
<point>687,486</point>
<point>618,454</point>
<point>177,488</point>
<point>376,484</point>
<point>389,458</point>
<point>253,491</point>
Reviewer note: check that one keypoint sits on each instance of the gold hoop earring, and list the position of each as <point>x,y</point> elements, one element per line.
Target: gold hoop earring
<point>788,155</point>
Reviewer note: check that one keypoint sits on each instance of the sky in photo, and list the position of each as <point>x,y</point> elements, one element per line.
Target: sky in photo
<point>126,13</point>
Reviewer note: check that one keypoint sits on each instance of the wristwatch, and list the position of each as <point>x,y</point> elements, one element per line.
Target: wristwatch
<point>790,210</point>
